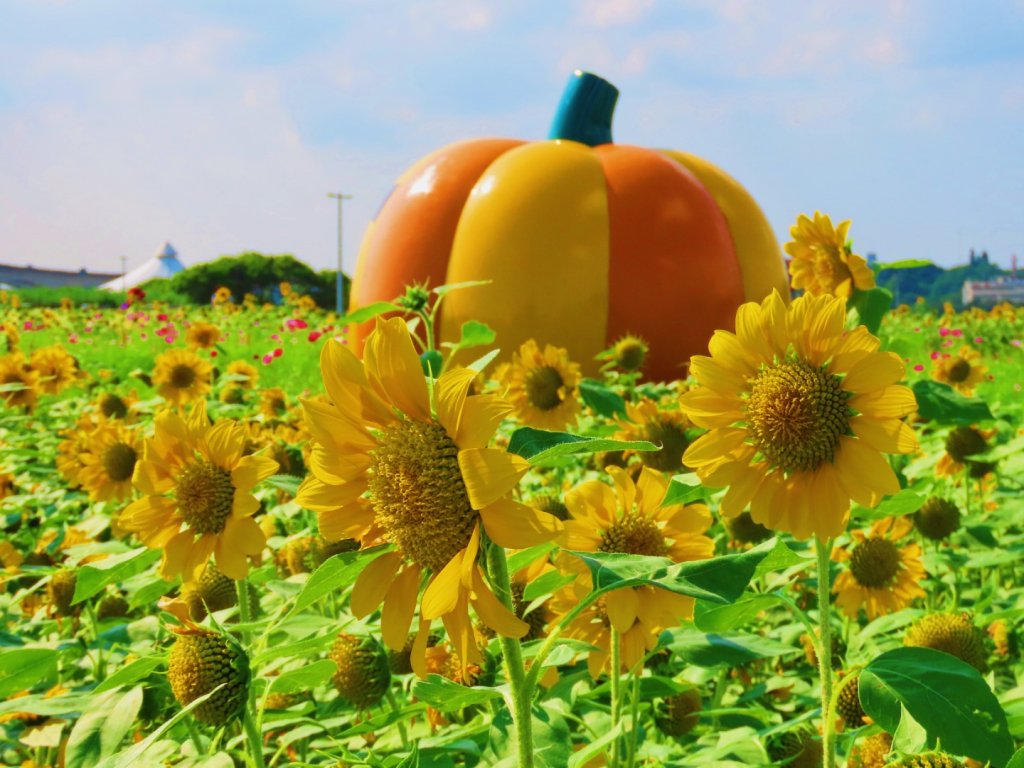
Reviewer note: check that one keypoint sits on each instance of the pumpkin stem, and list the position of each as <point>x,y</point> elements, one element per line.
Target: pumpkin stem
<point>585,111</point>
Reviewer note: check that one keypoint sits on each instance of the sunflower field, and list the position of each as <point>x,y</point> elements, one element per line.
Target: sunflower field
<point>238,535</point>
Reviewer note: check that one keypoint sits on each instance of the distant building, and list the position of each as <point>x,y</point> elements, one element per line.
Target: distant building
<point>993,291</point>
<point>28,277</point>
<point>163,264</point>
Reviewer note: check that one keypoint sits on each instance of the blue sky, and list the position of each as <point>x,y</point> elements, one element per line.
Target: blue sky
<point>221,126</point>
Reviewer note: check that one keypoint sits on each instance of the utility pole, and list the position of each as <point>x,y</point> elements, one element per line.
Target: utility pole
<point>124,273</point>
<point>339,300</point>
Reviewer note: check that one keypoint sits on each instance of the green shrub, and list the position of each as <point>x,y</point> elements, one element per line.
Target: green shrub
<point>45,296</point>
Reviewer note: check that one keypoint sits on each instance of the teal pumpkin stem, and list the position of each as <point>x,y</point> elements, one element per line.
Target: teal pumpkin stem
<point>585,111</point>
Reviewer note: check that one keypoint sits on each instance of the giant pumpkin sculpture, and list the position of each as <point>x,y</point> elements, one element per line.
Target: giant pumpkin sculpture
<point>584,240</point>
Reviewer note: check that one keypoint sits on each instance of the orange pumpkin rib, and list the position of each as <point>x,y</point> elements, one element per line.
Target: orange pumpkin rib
<point>673,274</point>
<point>757,248</point>
<point>411,238</point>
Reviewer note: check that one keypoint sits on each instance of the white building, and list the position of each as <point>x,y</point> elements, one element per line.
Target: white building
<point>993,291</point>
<point>163,264</point>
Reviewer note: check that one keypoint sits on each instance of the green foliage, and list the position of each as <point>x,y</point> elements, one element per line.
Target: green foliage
<point>259,275</point>
<point>45,296</point>
<point>912,279</point>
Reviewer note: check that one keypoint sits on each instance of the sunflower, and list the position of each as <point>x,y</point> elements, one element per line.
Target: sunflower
<point>433,487</point>
<point>181,376</point>
<point>800,414</point>
<point>241,368</point>
<point>644,420</point>
<point>628,519</point>
<point>822,261</point>
<point>198,495</point>
<point>107,467</point>
<point>110,405</point>
<point>23,380</point>
<point>202,335</point>
<point>881,578</point>
<point>70,450</point>
<point>56,368</point>
<point>273,403</point>
<point>542,386</point>
<point>961,371</point>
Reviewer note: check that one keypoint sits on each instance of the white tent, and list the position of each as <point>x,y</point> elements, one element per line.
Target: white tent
<point>163,264</point>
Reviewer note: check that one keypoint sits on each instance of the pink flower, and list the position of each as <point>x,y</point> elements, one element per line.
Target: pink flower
<point>918,367</point>
<point>268,359</point>
<point>943,331</point>
<point>957,332</point>
<point>1015,342</point>
<point>314,335</point>
<point>213,353</point>
<point>278,352</point>
<point>169,339</point>
<point>162,317</point>
<point>978,339</point>
<point>295,324</point>
<point>935,355</point>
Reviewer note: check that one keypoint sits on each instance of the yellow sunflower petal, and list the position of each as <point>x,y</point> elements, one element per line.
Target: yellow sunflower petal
<point>481,417</point>
<point>516,526</point>
<point>712,446</point>
<point>492,612</point>
<point>399,607</point>
<point>347,385</point>
<point>450,391</point>
<point>231,560</point>
<point>175,554</point>
<point>620,605</point>
<point>887,436</point>
<point>874,372</point>
<point>469,559</point>
<point>490,473</point>
<point>625,487</point>
<point>245,534</point>
<point>223,444</point>
<point>244,504</point>
<point>864,472</point>
<point>252,470</point>
<point>442,593</point>
<point>394,369</point>
<point>373,583</point>
<point>893,402</point>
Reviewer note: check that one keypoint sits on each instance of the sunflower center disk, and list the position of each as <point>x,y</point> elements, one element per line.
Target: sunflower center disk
<point>419,496</point>
<point>205,494</point>
<point>875,563</point>
<point>634,535</point>
<point>182,376</point>
<point>797,413</point>
<point>673,443</point>
<point>543,388</point>
<point>113,407</point>
<point>959,371</point>
<point>119,461</point>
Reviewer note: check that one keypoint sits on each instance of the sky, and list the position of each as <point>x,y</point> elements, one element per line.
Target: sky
<point>221,126</point>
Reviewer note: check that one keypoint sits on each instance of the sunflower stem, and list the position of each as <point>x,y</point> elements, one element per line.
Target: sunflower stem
<point>634,715</point>
<point>615,678</point>
<point>393,703</point>
<point>522,718</point>
<point>243,612</point>
<point>824,551</point>
<point>253,737</point>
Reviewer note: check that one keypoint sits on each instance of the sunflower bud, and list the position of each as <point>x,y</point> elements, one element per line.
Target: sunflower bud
<point>962,442</point>
<point>871,752</point>
<point>629,353</point>
<point>937,518</point>
<point>199,662</point>
<point>952,633</point>
<point>363,674</point>
<point>743,530</point>
<point>799,749</point>
<point>849,705</point>
<point>213,592</point>
<point>112,607</point>
<point>680,713</point>
<point>61,591</point>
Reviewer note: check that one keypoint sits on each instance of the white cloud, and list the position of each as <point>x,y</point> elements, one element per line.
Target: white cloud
<point>611,13</point>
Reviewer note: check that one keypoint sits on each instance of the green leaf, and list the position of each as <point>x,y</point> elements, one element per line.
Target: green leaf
<point>304,678</point>
<point>726,649</point>
<point>720,579</point>
<point>596,747</point>
<point>101,729</point>
<point>369,312</point>
<point>472,334</point>
<point>130,673</point>
<point>447,696</point>
<point>547,584</point>
<point>480,363</point>
<point>442,290</point>
<point>602,398</point>
<point>92,578</point>
<point>902,503</point>
<point>335,574</point>
<point>524,557</point>
<point>869,308</point>
<point>943,404</point>
<point>287,483</point>
<point>721,618</point>
<point>910,735</point>
<point>538,445</point>
<point>1017,761</point>
<point>684,488</point>
<point>22,668</point>
<point>949,698</point>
